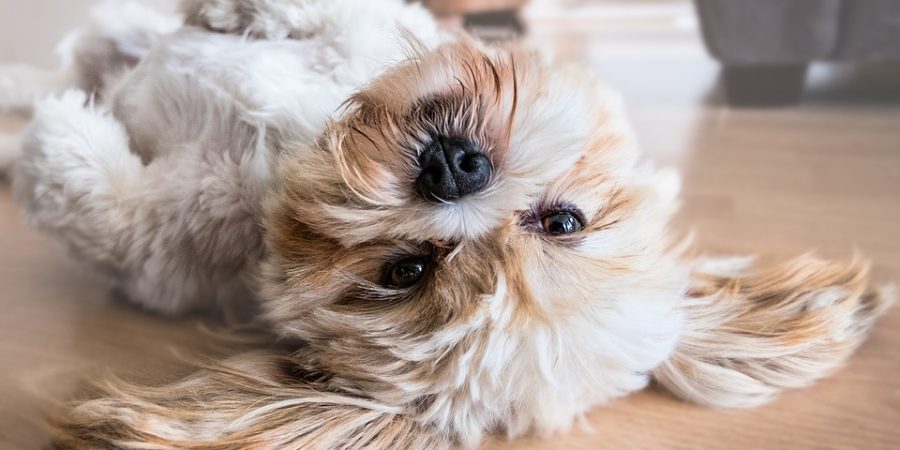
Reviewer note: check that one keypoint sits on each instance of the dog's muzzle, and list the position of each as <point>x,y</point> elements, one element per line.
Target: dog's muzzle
<point>452,169</point>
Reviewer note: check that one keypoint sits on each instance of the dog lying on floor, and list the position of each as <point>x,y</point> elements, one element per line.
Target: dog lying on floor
<point>450,239</point>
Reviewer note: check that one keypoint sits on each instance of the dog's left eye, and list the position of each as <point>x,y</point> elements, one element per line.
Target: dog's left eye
<point>406,272</point>
<point>562,222</point>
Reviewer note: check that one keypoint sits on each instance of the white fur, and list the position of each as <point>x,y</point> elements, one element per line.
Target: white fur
<point>204,113</point>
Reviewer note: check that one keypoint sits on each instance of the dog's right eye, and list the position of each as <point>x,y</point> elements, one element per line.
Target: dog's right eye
<point>406,272</point>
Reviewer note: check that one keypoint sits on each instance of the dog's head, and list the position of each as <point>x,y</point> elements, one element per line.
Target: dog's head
<point>474,239</point>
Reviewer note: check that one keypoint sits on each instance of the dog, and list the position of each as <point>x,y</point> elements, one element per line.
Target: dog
<point>446,239</point>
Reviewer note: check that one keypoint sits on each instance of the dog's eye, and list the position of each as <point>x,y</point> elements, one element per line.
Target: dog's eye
<point>406,272</point>
<point>561,222</point>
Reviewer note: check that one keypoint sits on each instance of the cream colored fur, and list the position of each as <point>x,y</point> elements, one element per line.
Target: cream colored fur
<point>267,152</point>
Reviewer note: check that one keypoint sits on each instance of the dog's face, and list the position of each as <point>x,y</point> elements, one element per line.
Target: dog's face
<point>474,237</point>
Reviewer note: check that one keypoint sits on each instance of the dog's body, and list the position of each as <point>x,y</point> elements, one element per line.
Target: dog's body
<point>469,244</point>
<point>191,140</point>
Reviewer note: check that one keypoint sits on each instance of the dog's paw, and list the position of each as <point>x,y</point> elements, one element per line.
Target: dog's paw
<point>73,156</point>
<point>264,19</point>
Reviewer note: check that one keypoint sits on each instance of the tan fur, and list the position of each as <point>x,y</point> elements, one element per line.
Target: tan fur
<point>252,401</point>
<point>754,331</point>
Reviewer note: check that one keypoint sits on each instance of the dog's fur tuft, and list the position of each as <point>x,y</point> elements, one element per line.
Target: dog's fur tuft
<point>258,400</point>
<point>751,331</point>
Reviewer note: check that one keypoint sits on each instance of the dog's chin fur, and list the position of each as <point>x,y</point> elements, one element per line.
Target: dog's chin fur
<point>512,329</point>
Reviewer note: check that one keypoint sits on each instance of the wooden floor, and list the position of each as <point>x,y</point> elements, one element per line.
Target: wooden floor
<point>822,176</point>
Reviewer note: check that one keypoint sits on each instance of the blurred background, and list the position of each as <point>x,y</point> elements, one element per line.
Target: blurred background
<point>783,117</point>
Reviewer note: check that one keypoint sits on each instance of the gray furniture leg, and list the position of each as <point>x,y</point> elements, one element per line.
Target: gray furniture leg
<point>764,85</point>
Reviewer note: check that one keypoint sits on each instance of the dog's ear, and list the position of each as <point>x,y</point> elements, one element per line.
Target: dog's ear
<point>258,400</point>
<point>751,332</point>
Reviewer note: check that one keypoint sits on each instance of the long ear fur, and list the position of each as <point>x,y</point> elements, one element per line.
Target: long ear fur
<point>257,400</point>
<point>751,332</point>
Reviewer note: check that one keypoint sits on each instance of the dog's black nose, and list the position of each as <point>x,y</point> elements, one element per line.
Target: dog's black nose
<point>452,169</point>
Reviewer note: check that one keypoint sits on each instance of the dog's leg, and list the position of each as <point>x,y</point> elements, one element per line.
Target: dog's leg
<point>93,58</point>
<point>174,235</point>
<point>298,19</point>
<point>265,19</point>
<point>260,400</point>
<point>72,175</point>
<point>117,37</point>
<point>752,332</point>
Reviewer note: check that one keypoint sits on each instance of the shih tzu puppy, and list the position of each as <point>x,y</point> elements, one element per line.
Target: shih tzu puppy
<point>448,239</point>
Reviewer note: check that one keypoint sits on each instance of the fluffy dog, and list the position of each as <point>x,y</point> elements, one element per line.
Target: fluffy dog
<point>447,239</point>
